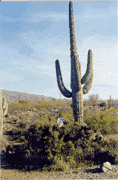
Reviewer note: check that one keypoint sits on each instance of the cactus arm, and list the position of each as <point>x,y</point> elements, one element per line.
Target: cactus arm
<point>5,110</point>
<point>88,85</point>
<point>61,86</point>
<point>89,69</point>
<point>4,103</point>
<point>4,107</point>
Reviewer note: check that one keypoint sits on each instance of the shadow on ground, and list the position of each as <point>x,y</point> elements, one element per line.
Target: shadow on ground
<point>4,163</point>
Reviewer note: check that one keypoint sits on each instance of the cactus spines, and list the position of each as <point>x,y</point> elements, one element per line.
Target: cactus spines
<point>76,80</point>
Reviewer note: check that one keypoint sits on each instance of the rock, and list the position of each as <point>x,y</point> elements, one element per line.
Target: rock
<point>60,121</point>
<point>106,166</point>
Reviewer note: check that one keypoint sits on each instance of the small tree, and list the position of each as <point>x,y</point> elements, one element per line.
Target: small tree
<point>93,99</point>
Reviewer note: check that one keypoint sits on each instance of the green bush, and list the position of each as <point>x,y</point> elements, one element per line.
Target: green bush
<point>103,121</point>
<point>56,148</point>
<point>45,143</point>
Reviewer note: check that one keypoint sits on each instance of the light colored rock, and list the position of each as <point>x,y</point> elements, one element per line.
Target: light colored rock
<point>106,166</point>
<point>60,121</point>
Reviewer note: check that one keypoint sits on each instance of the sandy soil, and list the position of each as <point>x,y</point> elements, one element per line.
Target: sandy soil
<point>86,172</point>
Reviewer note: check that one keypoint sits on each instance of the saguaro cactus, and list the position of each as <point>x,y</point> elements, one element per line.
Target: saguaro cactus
<point>1,115</point>
<point>3,112</point>
<point>76,81</point>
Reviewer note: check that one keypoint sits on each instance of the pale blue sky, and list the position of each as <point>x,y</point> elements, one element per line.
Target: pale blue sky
<point>34,34</point>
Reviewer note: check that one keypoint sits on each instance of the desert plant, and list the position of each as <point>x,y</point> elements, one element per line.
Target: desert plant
<point>3,112</point>
<point>76,81</point>
<point>44,142</point>
<point>103,121</point>
<point>24,101</point>
<point>5,107</point>
<point>1,115</point>
<point>93,99</point>
<point>103,104</point>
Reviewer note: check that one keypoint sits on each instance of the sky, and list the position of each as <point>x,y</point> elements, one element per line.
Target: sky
<point>34,34</point>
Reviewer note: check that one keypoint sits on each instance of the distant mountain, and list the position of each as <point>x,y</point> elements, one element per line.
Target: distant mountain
<point>16,96</point>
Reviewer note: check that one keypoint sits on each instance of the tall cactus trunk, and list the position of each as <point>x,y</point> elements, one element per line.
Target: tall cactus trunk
<point>77,99</point>
<point>76,81</point>
<point>1,116</point>
<point>77,104</point>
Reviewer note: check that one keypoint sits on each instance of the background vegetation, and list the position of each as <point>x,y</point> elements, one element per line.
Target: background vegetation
<point>46,146</point>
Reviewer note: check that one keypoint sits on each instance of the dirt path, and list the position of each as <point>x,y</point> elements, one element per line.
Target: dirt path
<point>85,172</point>
<point>89,173</point>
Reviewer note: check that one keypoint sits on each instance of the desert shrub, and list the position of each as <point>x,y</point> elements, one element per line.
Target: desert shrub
<point>103,121</point>
<point>25,101</point>
<point>108,152</point>
<point>43,118</point>
<point>43,104</point>
<point>12,107</point>
<point>13,133</point>
<point>41,138</point>
<point>50,118</point>
<point>24,107</point>
<point>47,141</point>
<point>85,103</point>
